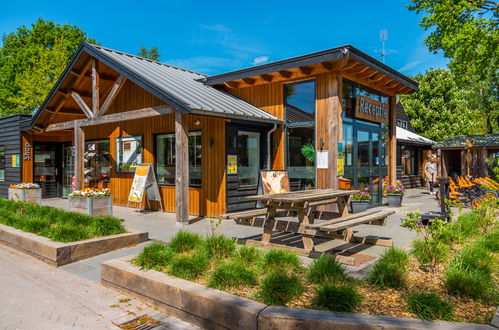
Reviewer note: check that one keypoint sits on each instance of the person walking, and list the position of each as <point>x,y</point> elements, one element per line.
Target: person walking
<point>430,170</point>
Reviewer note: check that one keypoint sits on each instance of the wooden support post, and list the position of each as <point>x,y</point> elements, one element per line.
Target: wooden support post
<point>95,87</point>
<point>483,171</point>
<point>79,145</point>
<point>463,162</point>
<point>181,170</point>
<point>333,131</point>
<point>392,141</point>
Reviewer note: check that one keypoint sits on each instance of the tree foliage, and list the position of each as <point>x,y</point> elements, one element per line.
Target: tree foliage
<point>441,109</point>
<point>466,31</point>
<point>31,60</point>
<point>151,54</point>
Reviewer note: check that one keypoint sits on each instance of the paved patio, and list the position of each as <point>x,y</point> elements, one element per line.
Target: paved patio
<point>162,226</point>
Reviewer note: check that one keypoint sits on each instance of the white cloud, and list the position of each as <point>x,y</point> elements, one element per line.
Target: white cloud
<point>217,27</point>
<point>409,65</point>
<point>205,64</point>
<point>260,60</point>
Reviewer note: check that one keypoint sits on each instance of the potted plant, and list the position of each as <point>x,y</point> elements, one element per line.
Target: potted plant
<point>360,201</point>
<point>26,192</point>
<point>394,194</point>
<point>91,201</point>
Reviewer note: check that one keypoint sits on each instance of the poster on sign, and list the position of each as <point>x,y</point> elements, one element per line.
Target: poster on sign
<point>144,183</point>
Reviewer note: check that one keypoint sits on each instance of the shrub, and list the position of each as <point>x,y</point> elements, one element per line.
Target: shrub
<point>185,241</point>
<point>156,255</point>
<point>248,254</point>
<point>231,274</point>
<point>325,269</point>
<point>220,246</point>
<point>429,306</point>
<point>391,269</point>
<point>278,288</point>
<point>429,252</point>
<point>189,267</point>
<point>475,258</point>
<point>280,259</point>
<point>337,298</point>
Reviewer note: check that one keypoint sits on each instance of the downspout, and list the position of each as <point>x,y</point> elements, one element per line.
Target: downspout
<point>269,150</point>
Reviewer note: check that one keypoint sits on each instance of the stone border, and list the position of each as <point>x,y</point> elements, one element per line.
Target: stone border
<point>214,309</point>
<point>58,254</point>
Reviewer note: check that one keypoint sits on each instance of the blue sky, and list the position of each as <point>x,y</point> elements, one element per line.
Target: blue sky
<point>213,37</point>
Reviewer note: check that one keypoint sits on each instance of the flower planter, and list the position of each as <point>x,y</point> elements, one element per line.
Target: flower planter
<point>97,206</point>
<point>394,199</point>
<point>359,206</point>
<point>31,196</point>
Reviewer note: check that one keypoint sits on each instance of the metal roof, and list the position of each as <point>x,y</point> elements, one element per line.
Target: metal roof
<point>404,135</point>
<point>459,141</point>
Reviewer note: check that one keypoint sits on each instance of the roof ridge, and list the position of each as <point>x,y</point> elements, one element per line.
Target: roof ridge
<point>144,59</point>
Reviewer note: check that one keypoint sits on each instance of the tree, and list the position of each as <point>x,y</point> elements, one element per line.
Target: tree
<point>466,31</point>
<point>441,109</point>
<point>31,60</point>
<point>151,54</point>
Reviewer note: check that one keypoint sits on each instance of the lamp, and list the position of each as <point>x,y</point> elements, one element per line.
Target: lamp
<point>197,122</point>
<point>212,141</point>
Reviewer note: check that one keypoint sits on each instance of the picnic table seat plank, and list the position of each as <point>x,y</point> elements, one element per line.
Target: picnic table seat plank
<point>342,219</point>
<point>358,221</point>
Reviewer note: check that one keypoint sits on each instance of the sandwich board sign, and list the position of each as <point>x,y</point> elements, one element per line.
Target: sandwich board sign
<point>144,182</point>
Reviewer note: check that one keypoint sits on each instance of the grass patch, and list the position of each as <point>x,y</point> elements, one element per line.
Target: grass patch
<point>232,274</point>
<point>189,267</point>
<point>490,241</point>
<point>430,251</point>
<point>185,241</point>
<point>219,246</point>
<point>337,298</point>
<point>276,259</point>
<point>249,254</point>
<point>429,306</point>
<point>156,255</point>
<point>390,270</point>
<point>57,224</point>
<point>326,269</point>
<point>278,288</point>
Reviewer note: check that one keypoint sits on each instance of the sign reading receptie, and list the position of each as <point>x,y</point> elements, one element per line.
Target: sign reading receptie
<point>371,110</point>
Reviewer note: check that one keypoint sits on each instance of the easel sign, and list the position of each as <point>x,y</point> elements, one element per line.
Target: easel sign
<point>144,181</point>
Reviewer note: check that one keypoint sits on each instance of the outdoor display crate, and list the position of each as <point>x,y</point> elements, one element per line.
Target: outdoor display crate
<point>96,206</point>
<point>31,196</point>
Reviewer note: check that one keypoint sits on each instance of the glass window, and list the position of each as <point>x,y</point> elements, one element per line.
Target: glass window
<point>129,153</point>
<point>248,158</point>
<point>351,90</point>
<point>2,163</point>
<point>165,159</point>
<point>97,162</point>
<point>300,102</point>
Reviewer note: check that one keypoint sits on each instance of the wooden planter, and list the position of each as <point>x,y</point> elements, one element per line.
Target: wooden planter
<point>359,206</point>
<point>102,206</point>
<point>394,199</point>
<point>31,196</point>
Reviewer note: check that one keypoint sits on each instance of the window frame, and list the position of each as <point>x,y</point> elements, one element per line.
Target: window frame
<point>2,162</point>
<point>116,152</point>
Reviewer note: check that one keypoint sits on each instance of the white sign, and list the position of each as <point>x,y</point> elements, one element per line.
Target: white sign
<point>144,180</point>
<point>322,159</point>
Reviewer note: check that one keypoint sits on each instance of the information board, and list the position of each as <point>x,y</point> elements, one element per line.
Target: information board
<point>144,182</point>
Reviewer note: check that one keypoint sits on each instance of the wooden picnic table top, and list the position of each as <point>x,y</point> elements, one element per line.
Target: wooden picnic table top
<point>301,196</point>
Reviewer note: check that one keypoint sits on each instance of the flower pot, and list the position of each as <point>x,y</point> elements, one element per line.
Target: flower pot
<point>394,199</point>
<point>359,206</point>
<point>31,196</point>
<point>100,206</point>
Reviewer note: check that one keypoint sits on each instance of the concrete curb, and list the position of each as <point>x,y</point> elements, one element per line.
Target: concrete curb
<point>57,253</point>
<point>214,309</point>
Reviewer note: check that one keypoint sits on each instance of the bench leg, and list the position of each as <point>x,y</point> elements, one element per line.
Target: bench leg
<point>268,226</point>
<point>306,217</point>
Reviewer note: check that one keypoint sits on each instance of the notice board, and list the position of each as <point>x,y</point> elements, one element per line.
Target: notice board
<point>144,183</point>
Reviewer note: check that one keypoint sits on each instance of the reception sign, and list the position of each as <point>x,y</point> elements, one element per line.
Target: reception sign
<point>371,110</point>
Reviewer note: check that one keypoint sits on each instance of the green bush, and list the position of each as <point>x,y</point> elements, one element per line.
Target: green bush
<point>156,255</point>
<point>490,241</point>
<point>337,298</point>
<point>232,274</point>
<point>429,252</point>
<point>185,241</point>
<point>220,246</point>
<point>429,306</point>
<point>277,259</point>
<point>326,269</point>
<point>248,254</point>
<point>476,258</point>
<point>391,269</point>
<point>278,288</point>
<point>189,267</point>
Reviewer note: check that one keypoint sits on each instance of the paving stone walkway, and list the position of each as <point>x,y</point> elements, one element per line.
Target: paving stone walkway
<point>35,295</point>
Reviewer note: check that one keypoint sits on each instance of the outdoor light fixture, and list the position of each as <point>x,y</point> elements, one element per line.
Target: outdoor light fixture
<point>321,143</point>
<point>212,142</point>
<point>197,122</point>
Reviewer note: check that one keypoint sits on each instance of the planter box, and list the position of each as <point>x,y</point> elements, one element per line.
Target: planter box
<point>394,200</point>
<point>102,206</point>
<point>359,206</point>
<point>58,254</point>
<point>214,309</point>
<point>31,196</point>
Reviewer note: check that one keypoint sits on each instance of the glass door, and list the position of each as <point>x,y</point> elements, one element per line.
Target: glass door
<point>369,163</point>
<point>248,159</point>
<point>67,169</point>
<point>45,170</point>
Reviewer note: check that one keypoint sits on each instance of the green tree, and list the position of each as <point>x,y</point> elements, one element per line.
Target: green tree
<point>31,60</point>
<point>151,54</point>
<point>466,31</point>
<point>441,109</point>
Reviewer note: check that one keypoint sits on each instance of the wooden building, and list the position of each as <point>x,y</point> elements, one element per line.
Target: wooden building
<point>110,111</point>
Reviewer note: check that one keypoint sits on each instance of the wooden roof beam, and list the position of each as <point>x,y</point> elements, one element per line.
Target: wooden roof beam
<point>306,70</point>
<point>231,84</point>
<point>84,107</point>
<point>267,77</point>
<point>88,75</point>
<point>327,65</point>
<point>285,74</point>
<point>95,87</point>
<point>118,85</point>
<point>249,81</point>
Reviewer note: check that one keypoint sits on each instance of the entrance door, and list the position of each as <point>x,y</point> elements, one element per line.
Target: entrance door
<point>369,163</point>
<point>47,169</point>
<point>67,169</point>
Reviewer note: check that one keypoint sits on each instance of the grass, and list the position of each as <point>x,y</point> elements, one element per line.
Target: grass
<point>185,241</point>
<point>156,255</point>
<point>278,288</point>
<point>337,298</point>
<point>326,269</point>
<point>276,259</point>
<point>490,241</point>
<point>434,251</point>
<point>390,270</point>
<point>56,224</point>
<point>429,306</point>
<point>232,274</point>
<point>249,254</point>
<point>219,246</point>
<point>189,267</point>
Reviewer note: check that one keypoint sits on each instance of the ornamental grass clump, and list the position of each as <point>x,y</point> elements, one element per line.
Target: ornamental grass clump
<point>429,306</point>
<point>278,288</point>
<point>189,266</point>
<point>390,270</point>
<point>326,269</point>
<point>219,246</point>
<point>277,259</point>
<point>248,254</point>
<point>185,241</point>
<point>490,241</point>
<point>337,298</point>
<point>232,274</point>
<point>156,255</point>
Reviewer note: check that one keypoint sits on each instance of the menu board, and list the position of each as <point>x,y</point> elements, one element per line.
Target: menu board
<point>144,182</point>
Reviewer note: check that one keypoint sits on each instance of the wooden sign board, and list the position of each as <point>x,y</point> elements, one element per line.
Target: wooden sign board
<point>144,181</point>
<point>371,110</point>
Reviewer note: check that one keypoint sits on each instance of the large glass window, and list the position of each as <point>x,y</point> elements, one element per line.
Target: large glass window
<point>248,159</point>
<point>300,118</point>
<point>2,163</point>
<point>97,163</point>
<point>129,153</point>
<point>165,159</point>
<point>351,90</point>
